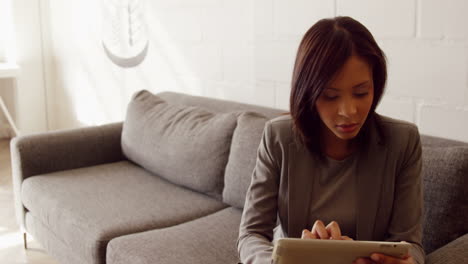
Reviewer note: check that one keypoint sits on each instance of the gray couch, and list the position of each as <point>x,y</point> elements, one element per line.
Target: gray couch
<point>168,185</point>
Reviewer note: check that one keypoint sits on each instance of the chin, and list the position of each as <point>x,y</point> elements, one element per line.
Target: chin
<point>346,136</point>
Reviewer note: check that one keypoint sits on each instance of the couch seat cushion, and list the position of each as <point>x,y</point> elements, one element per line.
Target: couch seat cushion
<point>186,145</point>
<point>208,240</point>
<point>87,207</point>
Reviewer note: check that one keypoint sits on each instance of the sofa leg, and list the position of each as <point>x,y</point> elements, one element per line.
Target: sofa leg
<point>25,240</point>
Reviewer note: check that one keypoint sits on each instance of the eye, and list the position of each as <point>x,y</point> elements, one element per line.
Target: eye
<point>330,98</point>
<point>361,94</point>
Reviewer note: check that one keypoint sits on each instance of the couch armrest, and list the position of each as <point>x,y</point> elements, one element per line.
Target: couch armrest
<point>454,252</point>
<point>62,150</point>
<point>66,149</point>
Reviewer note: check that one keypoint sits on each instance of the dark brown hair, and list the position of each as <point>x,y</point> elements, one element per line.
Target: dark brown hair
<point>322,52</point>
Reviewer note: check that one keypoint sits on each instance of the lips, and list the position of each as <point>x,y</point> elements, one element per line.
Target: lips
<point>347,128</point>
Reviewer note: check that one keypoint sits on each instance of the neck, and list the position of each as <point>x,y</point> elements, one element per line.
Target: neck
<point>334,147</point>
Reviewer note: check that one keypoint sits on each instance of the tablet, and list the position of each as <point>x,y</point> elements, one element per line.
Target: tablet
<point>307,251</point>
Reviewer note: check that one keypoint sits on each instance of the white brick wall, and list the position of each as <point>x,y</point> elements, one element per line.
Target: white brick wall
<point>187,29</point>
<point>263,19</point>
<point>244,51</point>
<point>283,91</point>
<point>238,63</point>
<point>444,19</point>
<point>397,107</point>
<point>274,60</point>
<point>444,121</point>
<point>292,18</point>
<point>202,60</point>
<point>232,21</point>
<point>384,18</point>
<point>427,70</point>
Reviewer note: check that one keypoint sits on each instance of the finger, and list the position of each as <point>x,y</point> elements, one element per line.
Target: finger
<point>306,234</point>
<point>363,261</point>
<point>379,258</point>
<point>334,230</point>
<point>319,230</point>
<point>384,259</point>
<point>346,238</point>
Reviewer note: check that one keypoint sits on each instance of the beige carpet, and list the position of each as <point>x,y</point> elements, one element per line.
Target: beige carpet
<point>11,240</point>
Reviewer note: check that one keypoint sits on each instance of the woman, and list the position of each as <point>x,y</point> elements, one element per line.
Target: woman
<point>333,168</point>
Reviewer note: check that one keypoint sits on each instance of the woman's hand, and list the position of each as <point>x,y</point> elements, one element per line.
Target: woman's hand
<point>320,231</point>
<point>384,259</point>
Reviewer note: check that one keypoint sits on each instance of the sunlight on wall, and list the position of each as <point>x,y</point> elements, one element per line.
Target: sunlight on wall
<point>97,89</point>
<point>87,108</point>
<point>7,35</point>
<point>91,92</point>
<point>10,240</point>
<point>168,50</point>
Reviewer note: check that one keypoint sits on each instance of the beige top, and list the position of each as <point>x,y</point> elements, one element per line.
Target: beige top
<point>334,195</point>
<point>388,189</point>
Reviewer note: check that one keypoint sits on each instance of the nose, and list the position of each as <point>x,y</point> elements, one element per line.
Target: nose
<point>347,108</point>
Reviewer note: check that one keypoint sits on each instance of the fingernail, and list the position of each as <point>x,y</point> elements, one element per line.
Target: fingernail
<point>375,257</point>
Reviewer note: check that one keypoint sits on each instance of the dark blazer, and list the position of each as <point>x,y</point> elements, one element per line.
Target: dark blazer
<point>389,201</point>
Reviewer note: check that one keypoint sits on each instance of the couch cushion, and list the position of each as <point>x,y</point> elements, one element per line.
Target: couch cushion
<point>453,253</point>
<point>208,240</point>
<point>431,141</point>
<point>188,146</point>
<point>445,178</point>
<point>243,156</point>
<point>55,246</point>
<point>88,207</point>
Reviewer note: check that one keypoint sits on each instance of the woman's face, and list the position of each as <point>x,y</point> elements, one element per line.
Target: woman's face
<point>344,105</point>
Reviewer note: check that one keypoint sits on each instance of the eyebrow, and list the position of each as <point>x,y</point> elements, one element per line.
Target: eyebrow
<point>355,86</point>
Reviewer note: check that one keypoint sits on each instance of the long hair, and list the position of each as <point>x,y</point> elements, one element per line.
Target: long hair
<point>322,52</point>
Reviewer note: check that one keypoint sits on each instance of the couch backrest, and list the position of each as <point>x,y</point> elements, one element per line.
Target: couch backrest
<point>188,141</point>
<point>217,105</point>
<point>445,181</point>
<point>245,140</point>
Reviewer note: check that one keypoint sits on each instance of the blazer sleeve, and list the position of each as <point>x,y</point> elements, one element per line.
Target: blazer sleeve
<point>260,210</point>
<point>407,213</point>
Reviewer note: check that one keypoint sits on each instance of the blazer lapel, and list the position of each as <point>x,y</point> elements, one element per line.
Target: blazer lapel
<point>300,180</point>
<point>370,170</point>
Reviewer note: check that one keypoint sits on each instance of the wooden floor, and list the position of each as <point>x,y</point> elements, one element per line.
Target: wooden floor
<point>11,239</point>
